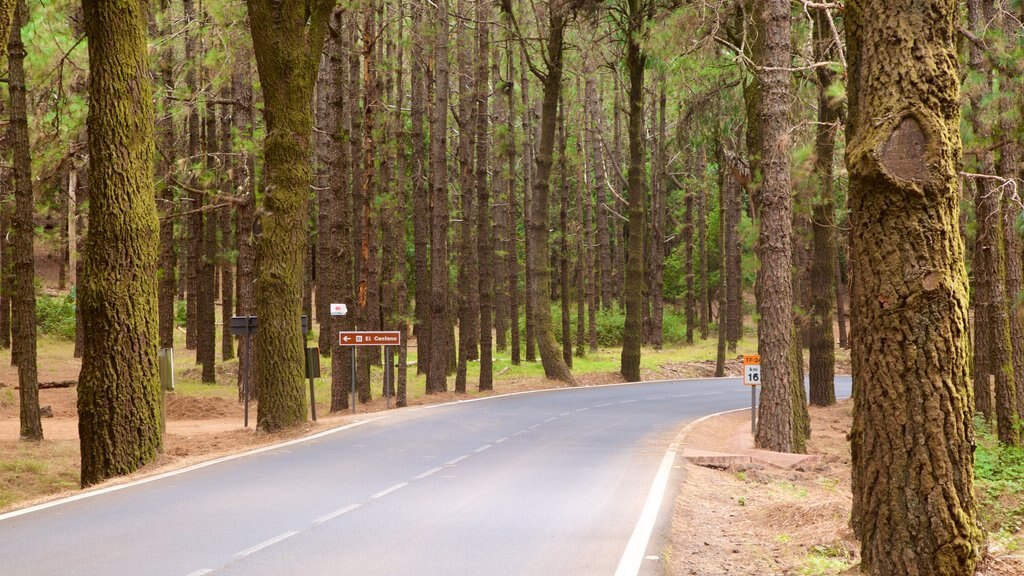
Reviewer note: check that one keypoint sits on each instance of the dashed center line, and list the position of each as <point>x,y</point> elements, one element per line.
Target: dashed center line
<point>201,572</point>
<point>428,473</point>
<point>605,405</point>
<point>521,432</point>
<point>266,544</point>
<point>482,448</point>
<point>565,413</point>
<point>455,461</point>
<point>335,514</point>
<point>627,401</point>
<point>552,419</point>
<point>582,409</point>
<point>500,440</point>
<point>387,491</point>
<point>534,426</point>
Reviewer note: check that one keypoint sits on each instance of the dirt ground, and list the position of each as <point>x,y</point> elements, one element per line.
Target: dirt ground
<point>758,519</point>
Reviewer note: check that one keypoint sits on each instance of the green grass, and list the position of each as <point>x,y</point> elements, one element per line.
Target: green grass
<point>999,480</point>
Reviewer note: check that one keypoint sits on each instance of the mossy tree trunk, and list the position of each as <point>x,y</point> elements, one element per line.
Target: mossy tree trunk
<point>780,425</point>
<point>168,286</point>
<point>822,273</point>
<point>555,367</point>
<point>118,388</point>
<point>485,233</point>
<point>912,437</point>
<point>636,60</point>
<point>993,323</point>
<point>440,330</point>
<point>287,37</point>
<point>23,299</point>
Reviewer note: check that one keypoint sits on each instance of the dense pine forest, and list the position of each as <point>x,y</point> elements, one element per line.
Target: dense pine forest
<point>536,179</point>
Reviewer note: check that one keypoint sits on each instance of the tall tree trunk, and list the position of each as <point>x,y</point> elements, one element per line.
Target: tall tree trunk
<point>736,173</point>
<point>841,290</point>
<point>288,39</point>
<point>194,220</point>
<point>822,273</point>
<point>512,217</point>
<point>555,367</point>
<point>703,304</point>
<point>228,165</point>
<point>165,170</point>
<point>912,437</point>
<point>563,237</point>
<point>529,182</point>
<point>339,165</point>
<point>468,276</point>
<point>367,302</point>
<point>23,299</point>
<point>775,334</point>
<point>992,326</point>
<point>723,279</point>
<point>691,300</point>
<point>206,343</point>
<point>582,229</point>
<point>484,231</point>
<point>118,388</point>
<point>439,290</point>
<point>243,180</point>
<point>602,250</point>
<point>659,195</point>
<point>634,279</point>
<point>420,191</point>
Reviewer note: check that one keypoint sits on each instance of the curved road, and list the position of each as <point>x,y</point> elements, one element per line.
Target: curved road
<point>548,483</point>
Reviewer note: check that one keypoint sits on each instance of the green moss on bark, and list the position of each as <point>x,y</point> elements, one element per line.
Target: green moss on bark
<point>912,436</point>
<point>118,389</point>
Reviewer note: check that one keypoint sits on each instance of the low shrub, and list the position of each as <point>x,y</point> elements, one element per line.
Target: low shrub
<point>55,315</point>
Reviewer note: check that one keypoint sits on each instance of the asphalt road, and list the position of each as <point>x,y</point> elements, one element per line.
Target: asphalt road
<point>550,483</point>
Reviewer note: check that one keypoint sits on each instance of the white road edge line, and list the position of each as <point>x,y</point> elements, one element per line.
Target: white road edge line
<point>267,544</point>
<point>636,548</point>
<point>430,472</point>
<point>500,440</point>
<point>335,514</point>
<point>201,572</point>
<point>482,448</point>
<point>455,461</point>
<point>387,491</point>
<point>171,473</point>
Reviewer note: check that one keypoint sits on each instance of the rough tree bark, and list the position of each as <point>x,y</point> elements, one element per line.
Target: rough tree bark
<point>166,132</point>
<point>822,273</point>
<point>992,327</point>
<point>437,372</point>
<point>776,429</point>
<point>287,38</point>
<point>484,230</point>
<point>912,437</point>
<point>118,387</point>
<point>23,299</point>
<point>634,272</point>
<point>468,274</point>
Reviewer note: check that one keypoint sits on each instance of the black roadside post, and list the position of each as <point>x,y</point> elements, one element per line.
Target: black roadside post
<point>312,372</point>
<point>245,326</point>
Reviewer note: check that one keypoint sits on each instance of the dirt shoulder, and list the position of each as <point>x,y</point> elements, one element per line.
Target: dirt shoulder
<point>755,518</point>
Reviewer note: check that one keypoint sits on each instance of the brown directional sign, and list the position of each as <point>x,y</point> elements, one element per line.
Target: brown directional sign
<point>370,338</point>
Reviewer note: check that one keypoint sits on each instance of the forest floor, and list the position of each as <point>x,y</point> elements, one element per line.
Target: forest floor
<point>743,519</point>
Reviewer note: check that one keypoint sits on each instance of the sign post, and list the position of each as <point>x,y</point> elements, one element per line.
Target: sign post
<point>361,338</point>
<point>246,326</point>
<point>752,378</point>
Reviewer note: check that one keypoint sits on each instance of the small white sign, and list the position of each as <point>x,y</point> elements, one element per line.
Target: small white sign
<point>339,310</point>
<point>752,374</point>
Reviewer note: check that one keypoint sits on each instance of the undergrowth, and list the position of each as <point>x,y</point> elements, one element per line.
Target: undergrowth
<point>999,478</point>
